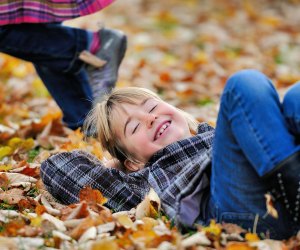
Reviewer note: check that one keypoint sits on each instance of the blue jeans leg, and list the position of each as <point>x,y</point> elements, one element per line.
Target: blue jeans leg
<point>54,50</point>
<point>251,137</point>
<point>291,108</point>
<point>71,92</point>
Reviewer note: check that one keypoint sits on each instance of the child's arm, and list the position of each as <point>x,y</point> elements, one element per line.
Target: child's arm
<point>65,174</point>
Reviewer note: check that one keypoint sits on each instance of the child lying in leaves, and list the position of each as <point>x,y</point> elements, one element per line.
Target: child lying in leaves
<point>199,173</point>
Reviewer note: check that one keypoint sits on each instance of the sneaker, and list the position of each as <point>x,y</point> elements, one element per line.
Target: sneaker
<point>113,47</point>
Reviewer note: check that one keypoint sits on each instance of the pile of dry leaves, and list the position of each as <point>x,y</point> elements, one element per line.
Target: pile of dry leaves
<point>184,50</point>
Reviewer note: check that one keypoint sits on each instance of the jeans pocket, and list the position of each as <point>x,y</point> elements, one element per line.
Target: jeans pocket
<point>251,222</point>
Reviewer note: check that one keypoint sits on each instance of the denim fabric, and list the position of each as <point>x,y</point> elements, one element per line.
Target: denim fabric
<point>252,136</point>
<point>291,109</point>
<point>54,49</point>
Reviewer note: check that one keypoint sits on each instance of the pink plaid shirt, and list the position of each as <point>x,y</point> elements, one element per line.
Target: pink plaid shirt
<point>47,11</point>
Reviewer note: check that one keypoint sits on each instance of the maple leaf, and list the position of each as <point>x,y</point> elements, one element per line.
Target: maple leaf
<point>91,196</point>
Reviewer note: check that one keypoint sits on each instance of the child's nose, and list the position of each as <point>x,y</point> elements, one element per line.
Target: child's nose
<point>150,120</point>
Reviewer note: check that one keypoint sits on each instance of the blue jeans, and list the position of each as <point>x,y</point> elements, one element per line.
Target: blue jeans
<point>54,49</point>
<point>254,132</point>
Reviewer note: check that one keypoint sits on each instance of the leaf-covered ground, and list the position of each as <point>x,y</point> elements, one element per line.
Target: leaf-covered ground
<point>184,50</point>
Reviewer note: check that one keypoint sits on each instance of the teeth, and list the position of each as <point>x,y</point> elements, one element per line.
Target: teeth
<point>162,129</point>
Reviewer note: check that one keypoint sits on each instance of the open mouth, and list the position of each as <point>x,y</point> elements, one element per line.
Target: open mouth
<point>161,130</point>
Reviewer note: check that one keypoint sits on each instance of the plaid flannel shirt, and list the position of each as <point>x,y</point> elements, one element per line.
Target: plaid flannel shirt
<point>37,11</point>
<point>179,174</point>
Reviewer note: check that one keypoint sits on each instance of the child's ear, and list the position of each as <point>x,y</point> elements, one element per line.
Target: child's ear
<point>132,166</point>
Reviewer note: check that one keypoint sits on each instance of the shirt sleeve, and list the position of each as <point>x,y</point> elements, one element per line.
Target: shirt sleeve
<point>65,174</point>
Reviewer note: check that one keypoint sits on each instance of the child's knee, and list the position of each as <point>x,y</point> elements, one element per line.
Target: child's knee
<point>291,104</point>
<point>292,96</point>
<point>249,82</point>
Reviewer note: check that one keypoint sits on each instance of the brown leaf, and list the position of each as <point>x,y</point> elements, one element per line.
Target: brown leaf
<point>4,181</point>
<point>27,203</point>
<point>12,196</point>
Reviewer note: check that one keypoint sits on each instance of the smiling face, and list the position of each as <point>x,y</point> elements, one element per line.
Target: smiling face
<point>148,126</point>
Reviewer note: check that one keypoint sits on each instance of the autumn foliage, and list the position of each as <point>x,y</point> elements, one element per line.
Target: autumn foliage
<point>185,51</point>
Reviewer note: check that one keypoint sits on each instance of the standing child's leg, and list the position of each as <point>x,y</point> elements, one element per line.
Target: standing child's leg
<point>71,92</point>
<point>251,138</point>
<point>54,49</point>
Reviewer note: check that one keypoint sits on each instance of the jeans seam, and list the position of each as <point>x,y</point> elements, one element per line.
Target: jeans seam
<point>253,129</point>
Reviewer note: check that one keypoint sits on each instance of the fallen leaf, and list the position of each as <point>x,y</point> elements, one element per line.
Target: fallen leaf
<point>270,207</point>
<point>12,196</point>
<point>149,207</point>
<point>92,196</point>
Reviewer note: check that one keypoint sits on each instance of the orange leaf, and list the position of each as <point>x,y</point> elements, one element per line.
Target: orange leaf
<point>91,196</point>
<point>239,246</point>
<point>11,228</point>
<point>81,228</point>
<point>251,237</point>
<point>40,209</point>
<point>105,245</point>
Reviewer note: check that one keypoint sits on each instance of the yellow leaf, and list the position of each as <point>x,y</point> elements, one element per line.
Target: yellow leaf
<point>149,207</point>
<point>271,21</point>
<point>18,143</point>
<point>149,223</point>
<point>5,167</point>
<point>14,142</point>
<point>251,237</point>
<point>213,228</point>
<point>20,71</point>
<point>201,57</point>
<point>36,222</point>
<point>5,151</point>
<point>28,144</point>
<point>39,88</point>
<point>125,221</point>
<point>105,245</point>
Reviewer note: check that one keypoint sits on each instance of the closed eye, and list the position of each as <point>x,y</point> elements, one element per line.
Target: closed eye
<point>153,108</point>
<point>136,127</point>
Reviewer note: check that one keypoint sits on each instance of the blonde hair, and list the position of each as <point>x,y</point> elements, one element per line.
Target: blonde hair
<point>101,118</point>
